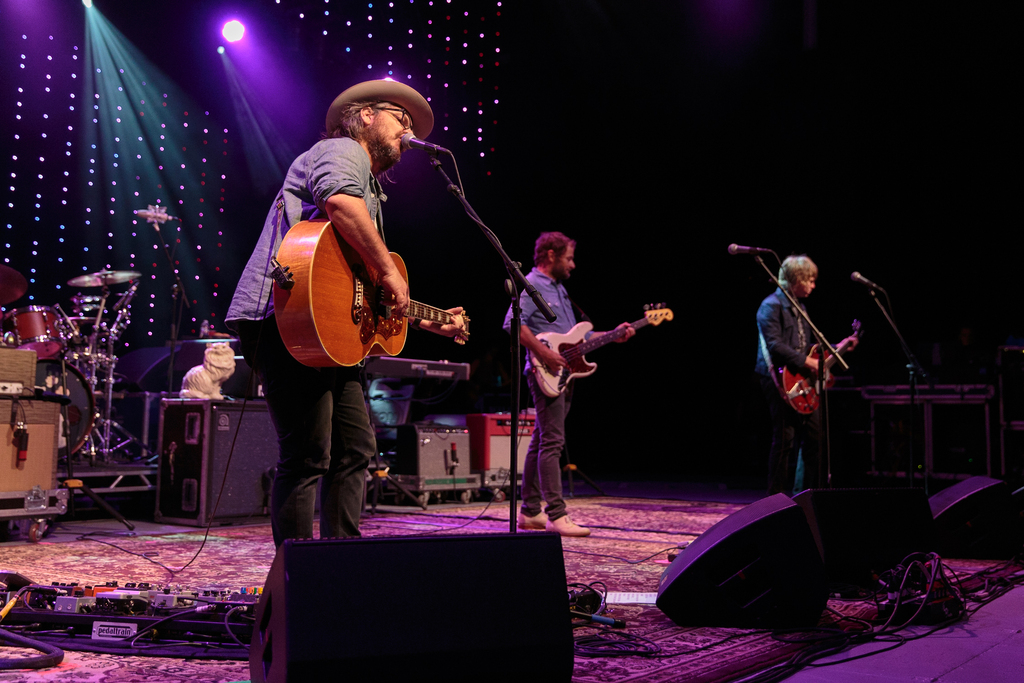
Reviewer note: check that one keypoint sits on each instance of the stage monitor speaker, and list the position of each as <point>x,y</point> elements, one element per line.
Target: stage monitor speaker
<point>458,608</point>
<point>863,532</point>
<point>757,568</point>
<point>976,519</point>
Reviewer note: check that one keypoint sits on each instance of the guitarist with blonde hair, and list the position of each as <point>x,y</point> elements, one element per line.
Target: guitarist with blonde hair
<point>785,341</point>
<point>324,433</point>
<point>553,259</point>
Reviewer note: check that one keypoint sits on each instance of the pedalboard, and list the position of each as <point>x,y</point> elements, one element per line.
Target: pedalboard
<point>114,612</point>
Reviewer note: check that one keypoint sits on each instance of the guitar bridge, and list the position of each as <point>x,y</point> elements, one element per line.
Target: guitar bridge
<point>357,302</point>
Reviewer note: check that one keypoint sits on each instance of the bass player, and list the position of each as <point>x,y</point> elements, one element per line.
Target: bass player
<point>553,259</point>
<point>784,340</point>
<point>324,432</point>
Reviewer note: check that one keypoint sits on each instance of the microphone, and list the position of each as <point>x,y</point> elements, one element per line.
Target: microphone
<point>737,249</point>
<point>19,432</point>
<point>857,277</point>
<point>155,215</point>
<point>409,142</point>
<point>126,297</point>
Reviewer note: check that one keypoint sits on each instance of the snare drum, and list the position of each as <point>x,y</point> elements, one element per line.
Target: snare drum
<point>35,328</point>
<point>82,411</point>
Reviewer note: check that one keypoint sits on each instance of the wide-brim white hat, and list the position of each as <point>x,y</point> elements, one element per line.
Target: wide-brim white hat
<point>390,91</point>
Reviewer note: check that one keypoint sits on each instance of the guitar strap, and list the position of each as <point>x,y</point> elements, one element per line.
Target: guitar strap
<point>577,311</point>
<point>378,194</point>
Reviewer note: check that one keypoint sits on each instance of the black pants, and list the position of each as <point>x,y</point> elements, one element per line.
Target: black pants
<point>323,432</point>
<point>791,431</point>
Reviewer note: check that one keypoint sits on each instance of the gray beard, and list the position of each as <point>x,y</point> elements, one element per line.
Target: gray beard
<point>382,153</point>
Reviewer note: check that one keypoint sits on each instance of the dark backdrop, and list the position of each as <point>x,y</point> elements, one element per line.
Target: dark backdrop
<point>876,140</point>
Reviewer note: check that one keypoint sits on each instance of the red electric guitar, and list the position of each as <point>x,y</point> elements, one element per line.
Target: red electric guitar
<point>798,391</point>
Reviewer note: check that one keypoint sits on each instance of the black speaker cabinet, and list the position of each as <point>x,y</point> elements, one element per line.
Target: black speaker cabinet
<point>863,532</point>
<point>975,518</point>
<point>454,608</point>
<point>757,568</point>
<point>195,441</point>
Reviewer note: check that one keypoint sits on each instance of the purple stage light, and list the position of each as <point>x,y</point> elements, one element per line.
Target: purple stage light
<point>233,31</point>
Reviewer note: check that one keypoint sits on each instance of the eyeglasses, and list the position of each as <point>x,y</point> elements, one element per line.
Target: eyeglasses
<point>405,120</point>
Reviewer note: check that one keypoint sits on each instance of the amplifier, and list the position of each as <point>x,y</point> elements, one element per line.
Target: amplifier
<point>489,440</point>
<point>17,371</point>
<point>195,441</point>
<point>39,467</point>
<point>431,450</point>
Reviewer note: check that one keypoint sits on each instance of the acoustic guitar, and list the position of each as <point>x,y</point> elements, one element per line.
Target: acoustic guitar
<point>333,314</point>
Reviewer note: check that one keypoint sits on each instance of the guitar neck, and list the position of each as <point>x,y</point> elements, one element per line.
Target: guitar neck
<point>839,349</point>
<point>609,337</point>
<point>425,312</point>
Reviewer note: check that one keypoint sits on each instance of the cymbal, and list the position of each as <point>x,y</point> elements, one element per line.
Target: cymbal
<point>103,278</point>
<point>13,285</point>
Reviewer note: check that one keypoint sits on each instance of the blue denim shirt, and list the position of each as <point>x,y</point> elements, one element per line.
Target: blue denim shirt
<point>554,293</point>
<point>330,167</point>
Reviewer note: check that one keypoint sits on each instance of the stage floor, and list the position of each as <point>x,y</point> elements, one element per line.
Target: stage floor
<point>635,527</point>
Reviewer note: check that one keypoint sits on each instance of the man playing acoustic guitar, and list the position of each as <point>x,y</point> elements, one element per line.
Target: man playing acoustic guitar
<point>324,432</point>
<point>542,477</point>
<point>785,341</point>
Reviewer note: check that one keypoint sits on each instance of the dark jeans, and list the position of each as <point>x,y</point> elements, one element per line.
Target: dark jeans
<point>542,475</point>
<point>324,435</point>
<point>790,431</point>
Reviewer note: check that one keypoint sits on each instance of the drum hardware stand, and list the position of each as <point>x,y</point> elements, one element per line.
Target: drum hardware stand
<point>100,366</point>
<point>157,215</point>
<point>106,361</point>
<point>71,482</point>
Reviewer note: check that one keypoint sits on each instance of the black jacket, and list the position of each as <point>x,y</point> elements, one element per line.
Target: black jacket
<point>778,323</point>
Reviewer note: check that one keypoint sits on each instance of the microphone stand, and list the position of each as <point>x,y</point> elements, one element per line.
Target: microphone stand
<point>916,371</point>
<point>515,281</point>
<point>178,296</point>
<point>824,445</point>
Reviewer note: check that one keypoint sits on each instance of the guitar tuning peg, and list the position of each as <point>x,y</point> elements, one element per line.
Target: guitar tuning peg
<point>647,307</point>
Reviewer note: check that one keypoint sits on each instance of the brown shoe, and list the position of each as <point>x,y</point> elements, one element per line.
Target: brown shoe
<point>537,523</point>
<point>565,527</point>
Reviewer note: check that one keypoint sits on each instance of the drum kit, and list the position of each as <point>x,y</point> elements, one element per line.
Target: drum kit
<point>76,355</point>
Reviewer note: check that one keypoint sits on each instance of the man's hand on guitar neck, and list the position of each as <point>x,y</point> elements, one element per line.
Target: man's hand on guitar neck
<point>457,328</point>
<point>630,331</point>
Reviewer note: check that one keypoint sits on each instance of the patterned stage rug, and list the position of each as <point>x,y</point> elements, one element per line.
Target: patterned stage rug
<point>627,552</point>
